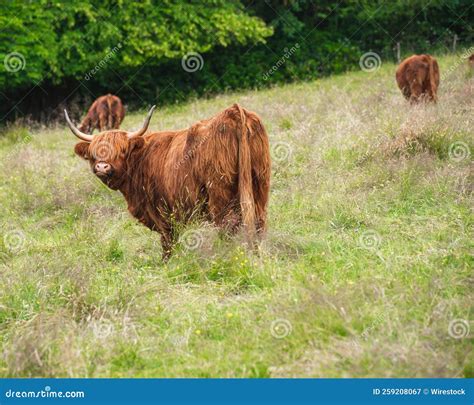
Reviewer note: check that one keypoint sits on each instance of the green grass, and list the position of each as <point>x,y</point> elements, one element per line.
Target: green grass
<point>367,261</point>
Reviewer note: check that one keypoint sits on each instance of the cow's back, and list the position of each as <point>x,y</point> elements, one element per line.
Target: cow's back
<point>414,68</point>
<point>186,163</point>
<point>214,145</point>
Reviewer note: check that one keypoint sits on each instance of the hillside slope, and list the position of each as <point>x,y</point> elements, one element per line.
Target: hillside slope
<point>366,270</point>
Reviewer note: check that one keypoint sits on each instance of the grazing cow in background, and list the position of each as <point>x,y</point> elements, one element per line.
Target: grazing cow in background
<point>418,78</point>
<point>219,167</point>
<point>105,113</point>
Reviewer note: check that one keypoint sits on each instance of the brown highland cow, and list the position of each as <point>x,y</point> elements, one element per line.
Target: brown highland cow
<point>105,113</point>
<point>418,78</point>
<point>470,61</point>
<point>219,167</point>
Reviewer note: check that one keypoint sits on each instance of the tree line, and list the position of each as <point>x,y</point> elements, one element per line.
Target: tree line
<point>58,53</point>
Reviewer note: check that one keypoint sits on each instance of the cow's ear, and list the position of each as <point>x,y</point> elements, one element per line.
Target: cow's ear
<point>136,143</point>
<point>82,149</point>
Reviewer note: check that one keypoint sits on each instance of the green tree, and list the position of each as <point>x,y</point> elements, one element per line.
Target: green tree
<point>62,39</point>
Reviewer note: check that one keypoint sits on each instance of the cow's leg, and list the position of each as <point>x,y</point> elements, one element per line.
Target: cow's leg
<point>223,207</point>
<point>416,89</point>
<point>167,242</point>
<point>261,187</point>
<point>115,120</point>
<point>103,122</point>
<point>260,177</point>
<point>406,92</point>
<point>95,124</point>
<point>153,220</point>
<point>85,125</point>
<point>428,90</point>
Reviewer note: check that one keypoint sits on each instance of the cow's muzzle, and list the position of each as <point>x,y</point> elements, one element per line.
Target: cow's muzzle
<point>103,169</point>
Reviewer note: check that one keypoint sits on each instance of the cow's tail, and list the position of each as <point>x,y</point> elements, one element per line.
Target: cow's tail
<point>246,197</point>
<point>110,116</point>
<point>434,70</point>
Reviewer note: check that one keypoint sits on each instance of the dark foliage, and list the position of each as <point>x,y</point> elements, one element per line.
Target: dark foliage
<point>60,54</point>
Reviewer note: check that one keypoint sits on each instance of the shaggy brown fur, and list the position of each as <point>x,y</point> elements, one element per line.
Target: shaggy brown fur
<point>219,167</point>
<point>418,78</point>
<point>105,113</point>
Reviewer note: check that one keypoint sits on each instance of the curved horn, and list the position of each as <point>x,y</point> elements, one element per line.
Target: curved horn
<point>141,131</point>
<point>75,131</point>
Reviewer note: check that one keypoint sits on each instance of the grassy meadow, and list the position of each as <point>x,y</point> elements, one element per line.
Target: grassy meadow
<point>366,270</point>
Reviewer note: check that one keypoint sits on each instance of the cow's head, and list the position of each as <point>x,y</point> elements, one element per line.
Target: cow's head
<point>108,151</point>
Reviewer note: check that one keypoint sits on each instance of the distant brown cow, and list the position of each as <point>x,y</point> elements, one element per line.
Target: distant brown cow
<point>471,61</point>
<point>105,113</point>
<point>418,78</point>
<point>219,167</point>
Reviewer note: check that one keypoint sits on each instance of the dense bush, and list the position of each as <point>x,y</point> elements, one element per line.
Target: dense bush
<point>63,53</point>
